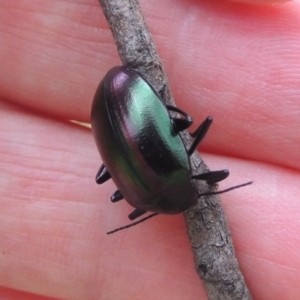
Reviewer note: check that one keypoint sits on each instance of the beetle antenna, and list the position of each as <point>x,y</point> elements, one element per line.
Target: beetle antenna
<point>227,190</point>
<point>132,224</point>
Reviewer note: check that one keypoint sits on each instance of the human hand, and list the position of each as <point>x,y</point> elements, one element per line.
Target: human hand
<point>240,64</point>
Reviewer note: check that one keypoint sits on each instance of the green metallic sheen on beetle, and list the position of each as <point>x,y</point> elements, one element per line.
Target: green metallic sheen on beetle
<point>135,136</point>
<point>139,142</point>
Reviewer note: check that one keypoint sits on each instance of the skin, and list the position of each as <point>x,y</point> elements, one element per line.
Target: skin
<point>238,63</point>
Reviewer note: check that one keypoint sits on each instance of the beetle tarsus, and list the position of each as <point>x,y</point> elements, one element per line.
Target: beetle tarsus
<point>212,176</point>
<point>199,134</point>
<point>102,175</point>
<point>180,124</point>
<point>117,196</point>
<point>136,213</point>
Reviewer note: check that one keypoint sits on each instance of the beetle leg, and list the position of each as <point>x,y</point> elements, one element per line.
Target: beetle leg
<point>117,196</point>
<point>199,134</point>
<point>180,124</point>
<point>136,213</point>
<point>102,175</point>
<point>212,176</point>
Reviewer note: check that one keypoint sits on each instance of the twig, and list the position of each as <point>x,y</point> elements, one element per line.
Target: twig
<point>209,234</point>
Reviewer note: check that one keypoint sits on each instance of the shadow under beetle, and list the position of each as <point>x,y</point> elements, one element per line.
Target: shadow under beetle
<point>139,141</point>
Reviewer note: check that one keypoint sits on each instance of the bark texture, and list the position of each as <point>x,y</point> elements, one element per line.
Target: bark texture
<point>209,234</point>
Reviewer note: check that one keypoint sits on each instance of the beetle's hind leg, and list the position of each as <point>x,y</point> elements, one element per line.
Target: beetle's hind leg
<point>136,213</point>
<point>180,124</point>
<point>199,134</point>
<point>102,175</point>
<point>212,176</point>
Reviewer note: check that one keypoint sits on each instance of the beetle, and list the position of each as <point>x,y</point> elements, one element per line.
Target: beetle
<point>142,151</point>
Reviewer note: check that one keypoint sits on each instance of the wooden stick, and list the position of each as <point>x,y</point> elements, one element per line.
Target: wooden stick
<point>209,234</point>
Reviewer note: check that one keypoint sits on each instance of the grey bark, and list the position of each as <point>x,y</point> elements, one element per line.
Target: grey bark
<point>208,231</point>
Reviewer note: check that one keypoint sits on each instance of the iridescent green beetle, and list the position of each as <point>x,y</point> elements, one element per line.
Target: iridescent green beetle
<point>139,141</point>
